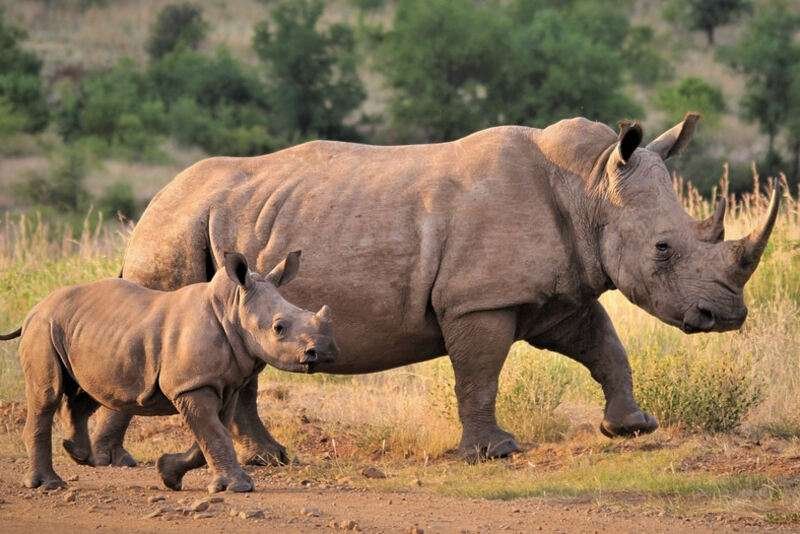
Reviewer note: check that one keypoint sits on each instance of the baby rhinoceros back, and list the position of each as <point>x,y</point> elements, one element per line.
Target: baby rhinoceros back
<point>147,352</point>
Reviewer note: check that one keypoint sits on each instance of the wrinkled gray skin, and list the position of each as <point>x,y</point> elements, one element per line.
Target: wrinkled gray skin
<point>458,248</point>
<point>147,352</point>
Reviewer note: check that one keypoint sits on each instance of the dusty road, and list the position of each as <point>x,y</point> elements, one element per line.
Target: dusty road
<point>125,500</point>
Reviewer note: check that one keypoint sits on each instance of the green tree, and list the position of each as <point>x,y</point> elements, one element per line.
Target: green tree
<point>177,26</point>
<point>312,76</point>
<point>692,94</point>
<point>21,93</point>
<point>455,66</point>
<point>706,15</point>
<point>767,54</point>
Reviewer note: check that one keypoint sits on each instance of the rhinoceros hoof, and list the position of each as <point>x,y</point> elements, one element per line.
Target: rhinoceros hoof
<point>632,425</point>
<point>51,482</point>
<point>79,455</point>
<point>239,483</point>
<point>171,474</point>
<point>113,456</point>
<point>490,449</point>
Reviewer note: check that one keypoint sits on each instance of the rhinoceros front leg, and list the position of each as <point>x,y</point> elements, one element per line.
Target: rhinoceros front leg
<point>593,341</point>
<point>478,344</point>
<point>254,443</point>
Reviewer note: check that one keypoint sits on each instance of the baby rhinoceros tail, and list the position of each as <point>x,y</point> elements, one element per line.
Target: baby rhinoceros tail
<point>11,335</point>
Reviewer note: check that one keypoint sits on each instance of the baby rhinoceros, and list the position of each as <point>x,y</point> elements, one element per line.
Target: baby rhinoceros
<point>147,352</point>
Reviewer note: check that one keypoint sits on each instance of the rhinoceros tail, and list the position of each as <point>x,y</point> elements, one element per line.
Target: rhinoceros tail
<point>11,335</point>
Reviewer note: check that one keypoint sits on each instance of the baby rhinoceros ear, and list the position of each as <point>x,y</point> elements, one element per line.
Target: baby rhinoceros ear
<point>285,271</point>
<point>236,268</point>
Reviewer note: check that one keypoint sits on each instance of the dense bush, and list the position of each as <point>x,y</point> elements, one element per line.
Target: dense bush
<point>709,392</point>
<point>311,71</point>
<point>22,98</point>
<point>213,102</point>
<point>116,110</point>
<point>178,26</point>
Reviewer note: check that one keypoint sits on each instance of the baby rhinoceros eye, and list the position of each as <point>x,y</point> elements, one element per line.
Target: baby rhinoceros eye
<point>662,246</point>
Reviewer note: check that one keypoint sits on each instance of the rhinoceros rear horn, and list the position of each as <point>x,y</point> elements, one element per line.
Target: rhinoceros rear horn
<point>712,230</point>
<point>748,250</point>
<point>676,138</point>
<point>324,313</point>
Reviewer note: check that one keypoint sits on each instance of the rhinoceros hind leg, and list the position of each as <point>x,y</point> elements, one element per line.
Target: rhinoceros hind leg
<point>107,439</point>
<point>478,344</point>
<point>172,467</point>
<point>254,444</point>
<point>75,414</point>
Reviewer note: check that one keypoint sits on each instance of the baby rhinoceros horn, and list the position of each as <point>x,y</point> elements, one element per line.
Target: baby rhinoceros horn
<point>324,313</point>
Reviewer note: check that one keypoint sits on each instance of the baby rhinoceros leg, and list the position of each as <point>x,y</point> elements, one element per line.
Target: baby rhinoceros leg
<point>75,415</point>
<point>203,411</point>
<point>43,389</point>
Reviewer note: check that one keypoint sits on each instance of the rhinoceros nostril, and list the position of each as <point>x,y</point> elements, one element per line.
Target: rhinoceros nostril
<point>310,356</point>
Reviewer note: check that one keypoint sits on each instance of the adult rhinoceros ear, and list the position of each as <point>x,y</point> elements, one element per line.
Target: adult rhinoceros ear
<point>630,135</point>
<point>676,138</point>
<point>236,268</point>
<point>286,270</point>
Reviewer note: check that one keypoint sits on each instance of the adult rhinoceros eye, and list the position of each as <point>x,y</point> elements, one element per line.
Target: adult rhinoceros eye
<point>662,247</point>
<point>279,328</point>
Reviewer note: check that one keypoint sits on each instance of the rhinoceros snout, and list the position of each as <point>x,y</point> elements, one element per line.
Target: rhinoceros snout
<point>319,354</point>
<point>700,318</point>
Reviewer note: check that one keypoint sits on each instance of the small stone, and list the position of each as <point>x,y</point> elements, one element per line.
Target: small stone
<point>373,472</point>
<point>203,515</point>
<point>94,508</point>
<point>251,514</point>
<point>311,512</point>
<point>416,530</point>
<point>155,498</point>
<point>154,514</point>
<point>73,478</point>
<point>305,482</point>
<point>200,505</point>
<point>69,497</point>
<point>417,482</point>
<point>153,487</point>
<point>215,499</point>
<point>348,525</point>
<point>233,512</point>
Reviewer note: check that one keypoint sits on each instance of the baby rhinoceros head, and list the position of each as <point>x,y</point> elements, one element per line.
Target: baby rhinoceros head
<point>273,329</point>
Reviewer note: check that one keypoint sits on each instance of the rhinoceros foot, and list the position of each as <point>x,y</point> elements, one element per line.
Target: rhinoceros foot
<point>47,481</point>
<point>631,425</point>
<point>115,455</point>
<point>488,445</point>
<point>238,482</point>
<point>171,470</point>
<point>80,455</point>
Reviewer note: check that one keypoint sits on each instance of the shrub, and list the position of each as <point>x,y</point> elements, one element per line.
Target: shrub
<point>62,187</point>
<point>178,26</point>
<point>20,82</point>
<point>710,392</point>
<point>532,386</point>
<point>118,200</point>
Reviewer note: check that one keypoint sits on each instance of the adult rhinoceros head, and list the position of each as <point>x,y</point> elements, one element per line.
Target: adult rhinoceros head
<point>677,268</point>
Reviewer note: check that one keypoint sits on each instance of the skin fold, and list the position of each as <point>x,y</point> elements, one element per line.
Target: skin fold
<point>134,350</point>
<point>457,248</point>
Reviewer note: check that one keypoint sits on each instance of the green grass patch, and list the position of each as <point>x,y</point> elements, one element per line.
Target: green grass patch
<point>647,473</point>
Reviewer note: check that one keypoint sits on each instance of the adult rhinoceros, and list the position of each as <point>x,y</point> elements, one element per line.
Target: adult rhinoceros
<point>457,248</point>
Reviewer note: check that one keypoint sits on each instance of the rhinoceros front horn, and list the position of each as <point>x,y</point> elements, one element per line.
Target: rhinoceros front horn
<point>748,250</point>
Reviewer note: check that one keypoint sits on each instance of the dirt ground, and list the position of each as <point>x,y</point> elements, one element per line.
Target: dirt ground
<point>126,500</point>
